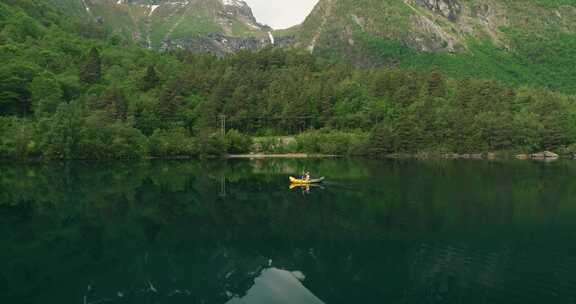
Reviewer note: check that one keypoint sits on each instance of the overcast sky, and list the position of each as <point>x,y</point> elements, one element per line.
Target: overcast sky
<point>281,14</point>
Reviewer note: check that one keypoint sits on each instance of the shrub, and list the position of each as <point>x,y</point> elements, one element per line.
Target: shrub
<point>101,138</point>
<point>172,142</point>
<point>237,142</point>
<point>212,145</point>
<point>332,142</point>
<point>381,140</point>
<point>18,138</point>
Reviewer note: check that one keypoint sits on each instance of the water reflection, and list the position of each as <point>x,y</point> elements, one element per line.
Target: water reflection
<point>306,189</point>
<point>269,285</point>
<point>399,232</point>
<point>277,286</point>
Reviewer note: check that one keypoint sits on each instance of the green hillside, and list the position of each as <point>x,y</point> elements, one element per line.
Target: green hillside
<point>71,88</point>
<point>518,41</point>
<point>151,23</point>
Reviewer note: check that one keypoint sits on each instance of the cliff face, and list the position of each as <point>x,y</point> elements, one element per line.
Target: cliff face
<point>521,41</point>
<point>447,8</point>
<point>343,26</point>
<point>424,25</point>
<point>434,25</point>
<point>217,26</point>
<point>222,45</point>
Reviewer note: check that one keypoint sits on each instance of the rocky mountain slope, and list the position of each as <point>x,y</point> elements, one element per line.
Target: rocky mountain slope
<point>217,26</point>
<point>517,40</point>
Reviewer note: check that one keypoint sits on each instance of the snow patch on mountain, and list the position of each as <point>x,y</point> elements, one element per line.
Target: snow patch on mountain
<point>237,3</point>
<point>152,9</point>
<point>182,3</point>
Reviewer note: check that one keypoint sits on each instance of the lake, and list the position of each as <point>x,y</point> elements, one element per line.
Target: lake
<point>233,232</point>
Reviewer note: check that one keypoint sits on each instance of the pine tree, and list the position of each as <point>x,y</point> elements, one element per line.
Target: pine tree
<point>169,102</point>
<point>436,85</point>
<point>381,140</point>
<point>150,80</point>
<point>91,72</point>
<point>465,94</point>
<point>114,102</point>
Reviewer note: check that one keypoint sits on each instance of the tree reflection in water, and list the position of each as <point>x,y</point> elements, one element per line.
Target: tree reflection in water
<point>411,232</point>
<point>277,286</point>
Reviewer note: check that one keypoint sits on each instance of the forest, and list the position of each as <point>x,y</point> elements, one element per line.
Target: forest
<point>72,90</point>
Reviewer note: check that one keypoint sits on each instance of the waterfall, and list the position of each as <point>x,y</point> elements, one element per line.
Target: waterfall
<point>86,6</point>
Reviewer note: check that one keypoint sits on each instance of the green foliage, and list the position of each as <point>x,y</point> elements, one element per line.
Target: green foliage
<point>212,145</point>
<point>113,101</point>
<point>522,42</point>
<point>46,94</point>
<point>72,133</point>
<point>104,138</point>
<point>332,142</point>
<point>169,103</point>
<point>100,98</point>
<point>18,138</point>
<point>61,133</point>
<point>382,140</point>
<point>15,77</point>
<point>553,3</point>
<point>481,116</point>
<point>92,70</point>
<point>237,142</point>
<point>172,143</point>
<point>150,80</point>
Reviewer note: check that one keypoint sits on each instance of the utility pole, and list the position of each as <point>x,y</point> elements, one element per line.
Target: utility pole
<point>223,124</point>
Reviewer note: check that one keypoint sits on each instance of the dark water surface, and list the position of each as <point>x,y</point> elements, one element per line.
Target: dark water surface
<point>232,232</point>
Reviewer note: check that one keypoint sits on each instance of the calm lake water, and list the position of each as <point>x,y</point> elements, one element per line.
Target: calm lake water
<point>233,232</point>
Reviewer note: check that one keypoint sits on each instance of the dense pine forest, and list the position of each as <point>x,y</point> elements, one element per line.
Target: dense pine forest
<point>72,90</point>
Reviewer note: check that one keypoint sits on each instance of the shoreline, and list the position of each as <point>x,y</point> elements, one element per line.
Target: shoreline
<point>285,155</point>
<point>488,156</point>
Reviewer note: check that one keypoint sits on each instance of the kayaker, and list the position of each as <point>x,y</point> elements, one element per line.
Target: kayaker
<point>307,176</point>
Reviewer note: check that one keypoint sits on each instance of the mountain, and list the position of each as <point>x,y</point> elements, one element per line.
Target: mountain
<point>72,88</point>
<point>519,41</point>
<point>216,26</point>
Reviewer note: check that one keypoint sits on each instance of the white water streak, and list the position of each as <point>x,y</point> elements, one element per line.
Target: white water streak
<point>152,9</point>
<point>86,6</point>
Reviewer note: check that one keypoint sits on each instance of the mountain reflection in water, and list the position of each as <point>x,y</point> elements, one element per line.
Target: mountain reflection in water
<point>279,287</point>
<point>206,232</point>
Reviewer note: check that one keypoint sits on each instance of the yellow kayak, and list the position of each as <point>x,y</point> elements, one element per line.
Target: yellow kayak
<point>298,181</point>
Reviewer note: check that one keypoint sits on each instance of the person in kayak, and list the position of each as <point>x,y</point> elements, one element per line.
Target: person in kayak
<point>307,176</point>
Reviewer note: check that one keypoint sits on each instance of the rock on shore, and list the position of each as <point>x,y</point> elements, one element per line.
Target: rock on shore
<point>545,155</point>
